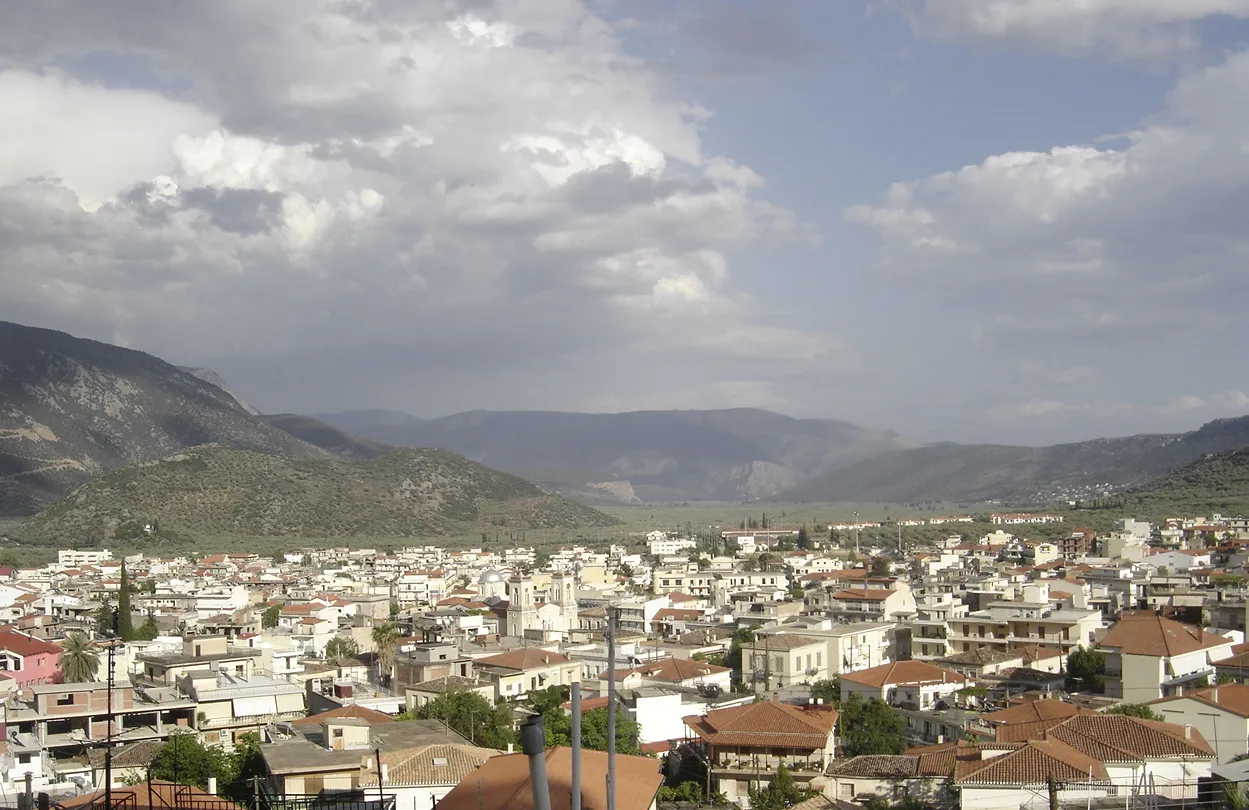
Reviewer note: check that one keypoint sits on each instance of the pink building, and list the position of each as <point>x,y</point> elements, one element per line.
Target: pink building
<point>28,660</point>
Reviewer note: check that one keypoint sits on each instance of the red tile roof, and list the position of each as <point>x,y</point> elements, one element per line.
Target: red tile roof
<point>766,725</point>
<point>502,783</point>
<point>1032,710</point>
<point>524,658</point>
<point>353,712</point>
<point>904,672</point>
<point>1147,633</point>
<point>24,645</point>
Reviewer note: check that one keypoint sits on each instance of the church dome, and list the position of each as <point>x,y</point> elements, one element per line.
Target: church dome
<point>488,576</point>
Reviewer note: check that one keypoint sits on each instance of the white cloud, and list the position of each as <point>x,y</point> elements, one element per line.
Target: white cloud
<point>1181,404</point>
<point>1232,400</point>
<point>1085,240</point>
<point>473,185</point>
<point>1126,28</point>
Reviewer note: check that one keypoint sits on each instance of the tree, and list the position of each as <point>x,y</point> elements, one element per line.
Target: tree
<point>80,660</point>
<point>269,619</point>
<point>1084,670</point>
<point>1135,710</point>
<point>804,539</point>
<point>871,727</point>
<point>105,619</point>
<point>385,636</point>
<point>780,793</point>
<point>548,701</point>
<point>125,617</point>
<point>471,715</point>
<point>733,658</point>
<point>341,647</point>
<point>148,630</point>
<point>828,690</point>
<point>880,567</point>
<point>187,761</point>
<point>594,732</point>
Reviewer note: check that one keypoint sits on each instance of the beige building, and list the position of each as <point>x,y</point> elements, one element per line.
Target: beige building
<point>514,674</point>
<point>775,661</point>
<point>200,654</point>
<point>1150,657</point>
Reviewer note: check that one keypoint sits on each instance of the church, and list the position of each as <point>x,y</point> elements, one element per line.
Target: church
<point>554,618</point>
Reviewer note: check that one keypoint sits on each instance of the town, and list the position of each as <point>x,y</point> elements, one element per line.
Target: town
<point>762,668</point>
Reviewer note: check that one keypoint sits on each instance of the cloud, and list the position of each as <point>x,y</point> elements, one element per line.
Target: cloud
<point>1232,400</point>
<point>1134,29</point>
<point>426,192</point>
<point>1083,242</point>
<point>1181,404</point>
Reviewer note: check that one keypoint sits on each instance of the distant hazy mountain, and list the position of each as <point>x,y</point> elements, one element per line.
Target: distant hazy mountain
<point>72,408</point>
<point>956,472</point>
<point>660,455</point>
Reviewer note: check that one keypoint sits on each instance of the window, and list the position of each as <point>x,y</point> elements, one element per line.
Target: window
<point>846,790</point>
<point>66,699</point>
<point>780,664</point>
<point>337,733</point>
<point>24,759</point>
<point>818,662</point>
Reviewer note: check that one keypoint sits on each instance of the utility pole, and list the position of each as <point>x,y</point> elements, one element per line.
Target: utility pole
<point>613,613</point>
<point>1052,784</point>
<point>108,736</point>
<point>381,797</point>
<point>856,534</point>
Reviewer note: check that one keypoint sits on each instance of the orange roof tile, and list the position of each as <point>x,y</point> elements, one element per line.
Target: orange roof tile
<point>766,724</point>
<point>904,672</point>
<point>1147,633</point>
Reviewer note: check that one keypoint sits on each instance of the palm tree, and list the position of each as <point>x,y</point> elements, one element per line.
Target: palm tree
<point>386,637</point>
<point>80,659</point>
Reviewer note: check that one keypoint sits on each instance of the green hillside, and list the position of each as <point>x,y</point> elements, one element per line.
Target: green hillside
<point>1218,483</point>
<point>212,491</point>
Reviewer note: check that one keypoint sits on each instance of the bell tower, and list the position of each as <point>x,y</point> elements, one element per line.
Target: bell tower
<point>522,611</point>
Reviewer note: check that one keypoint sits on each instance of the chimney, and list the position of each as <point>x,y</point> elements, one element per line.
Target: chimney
<point>1188,731</point>
<point>776,697</point>
<point>385,773</point>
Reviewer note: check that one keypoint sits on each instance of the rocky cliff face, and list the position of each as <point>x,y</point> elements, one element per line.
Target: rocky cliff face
<point>72,408</point>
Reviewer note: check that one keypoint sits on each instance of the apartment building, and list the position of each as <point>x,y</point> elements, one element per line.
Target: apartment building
<point>516,673</point>
<point>51,725</point>
<point>199,654</point>
<point>1009,624</point>
<point>1149,657</point>
<point>228,706</point>
<point>746,744</point>
<point>27,660</point>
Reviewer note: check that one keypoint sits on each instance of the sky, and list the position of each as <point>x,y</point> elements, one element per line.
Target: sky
<point>1019,221</point>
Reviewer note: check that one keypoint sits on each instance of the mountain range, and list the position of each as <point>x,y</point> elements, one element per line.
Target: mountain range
<point>72,410</point>
<point>132,439</point>
<point>982,473</point>
<point>733,454</point>
<point>753,454</point>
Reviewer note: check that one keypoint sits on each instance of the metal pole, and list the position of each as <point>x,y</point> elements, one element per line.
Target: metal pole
<point>612,614</point>
<point>576,746</point>
<point>108,734</point>
<point>533,744</point>
<point>381,797</point>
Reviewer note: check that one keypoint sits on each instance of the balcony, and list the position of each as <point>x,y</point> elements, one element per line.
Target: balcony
<point>249,720</point>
